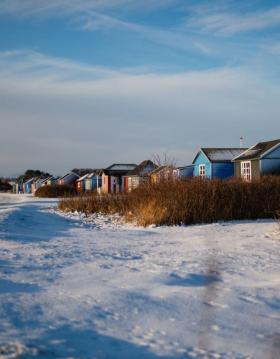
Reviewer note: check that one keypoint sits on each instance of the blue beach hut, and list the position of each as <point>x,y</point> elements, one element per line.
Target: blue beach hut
<point>184,172</point>
<point>27,186</point>
<point>93,180</point>
<point>215,162</point>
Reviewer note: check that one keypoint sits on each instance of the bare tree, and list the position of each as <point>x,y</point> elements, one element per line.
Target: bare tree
<point>164,160</point>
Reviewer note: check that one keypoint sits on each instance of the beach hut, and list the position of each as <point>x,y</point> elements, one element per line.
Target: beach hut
<point>27,186</point>
<point>45,181</point>
<point>259,160</point>
<point>51,181</point>
<point>184,172</point>
<point>14,187</point>
<point>19,187</point>
<point>139,175</point>
<point>93,180</point>
<point>69,179</point>
<point>113,177</point>
<point>165,172</point>
<point>215,162</point>
<point>36,184</point>
<point>80,183</point>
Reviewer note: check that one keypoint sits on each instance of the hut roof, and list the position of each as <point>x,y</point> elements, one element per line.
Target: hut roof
<point>97,172</point>
<point>257,151</point>
<point>223,154</point>
<point>140,169</point>
<point>119,169</point>
<point>70,174</point>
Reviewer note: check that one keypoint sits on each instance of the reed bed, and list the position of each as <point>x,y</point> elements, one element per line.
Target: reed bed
<point>55,191</point>
<point>186,202</point>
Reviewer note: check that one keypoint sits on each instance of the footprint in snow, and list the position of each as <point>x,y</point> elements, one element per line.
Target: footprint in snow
<point>126,256</point>
<point>193,280</point>
<point>274,316</point>
<point>215,328</point>
<point>250,300</point>
<point>200,353</point>
<point>217,305</point>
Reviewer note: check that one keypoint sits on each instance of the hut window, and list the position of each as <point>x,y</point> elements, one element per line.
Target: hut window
<point>202,171</point>
<point>246,172</point>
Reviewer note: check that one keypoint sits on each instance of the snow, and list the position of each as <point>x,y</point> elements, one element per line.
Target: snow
<point>121,167</point>
<point>223,154</point>
<point>83,177</point>
<point>76,287</point>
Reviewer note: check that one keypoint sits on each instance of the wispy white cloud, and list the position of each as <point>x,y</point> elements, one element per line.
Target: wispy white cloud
<point>231,20</point>
<point>58,118</point>
<point>57,7</point>
<point>22,62</point>
<point>173,38</point>
<point>91,15</point>
<point>272,47</point>
<point>64,7</point>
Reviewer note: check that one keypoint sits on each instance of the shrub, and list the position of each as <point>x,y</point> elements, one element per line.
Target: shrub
<point>5,186</point>
<point>93,203</point>
<point>187,202</point>
<point>54,191</point>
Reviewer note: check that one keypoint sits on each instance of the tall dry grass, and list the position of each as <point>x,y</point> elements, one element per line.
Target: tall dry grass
<point>187,202</point>
<point>55,191</point>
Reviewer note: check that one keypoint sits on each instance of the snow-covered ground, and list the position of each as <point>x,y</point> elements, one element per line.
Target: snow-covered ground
<point>99,289</point>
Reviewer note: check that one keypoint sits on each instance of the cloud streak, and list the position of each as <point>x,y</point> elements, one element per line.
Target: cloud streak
<point>222,17</point>
<point>173,38</point>
<point>93,15</point>
<point>54,117</point>
<point>55,7</point>
<point>30,8</point>
<point>230,21</point>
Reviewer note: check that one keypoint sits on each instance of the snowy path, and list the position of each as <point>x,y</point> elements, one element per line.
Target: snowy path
<point>72,290</point>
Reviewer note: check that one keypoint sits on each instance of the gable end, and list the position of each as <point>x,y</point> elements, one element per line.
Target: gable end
<point>273,153</point>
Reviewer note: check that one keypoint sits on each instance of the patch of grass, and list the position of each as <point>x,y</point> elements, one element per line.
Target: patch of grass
<point>187,202</point>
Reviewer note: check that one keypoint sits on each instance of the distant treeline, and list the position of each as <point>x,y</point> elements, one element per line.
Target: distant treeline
<point>28,174</point>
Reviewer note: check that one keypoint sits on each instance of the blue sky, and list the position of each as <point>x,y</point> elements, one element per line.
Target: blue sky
<point>87,83</point>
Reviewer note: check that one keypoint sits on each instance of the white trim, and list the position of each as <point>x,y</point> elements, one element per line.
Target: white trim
<point>260,157</point>
<point>197,155</point>
<point>246,171</point>
<point>205,155</point>
<point>270,150</point>
<point>248,149</point>
<point>202,170</point>
<point>83,177</point>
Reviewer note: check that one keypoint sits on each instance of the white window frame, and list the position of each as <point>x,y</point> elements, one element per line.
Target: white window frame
<point>246,170</point>
<point>202,171</point>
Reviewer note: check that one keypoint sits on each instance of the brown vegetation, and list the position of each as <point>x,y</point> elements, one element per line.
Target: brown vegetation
<point>187,202</point>
<point>54,191</point>
<point>5,186</point>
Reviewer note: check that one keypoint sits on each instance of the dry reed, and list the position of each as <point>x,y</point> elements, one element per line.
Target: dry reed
<point>187,202</point>
<point>55,191</point>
